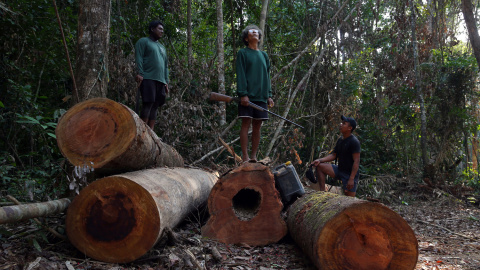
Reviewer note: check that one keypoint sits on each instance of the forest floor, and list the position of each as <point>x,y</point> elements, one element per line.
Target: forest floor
<point>447,230</point>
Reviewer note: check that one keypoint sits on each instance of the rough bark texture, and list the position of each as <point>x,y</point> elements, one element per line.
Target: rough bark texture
<point>340,232</point>
<point>470,21</point>
<point>92,48</point>
<point>119,218</point>
<point>111,138</point>
<point>245,207</point>
<point>9,214</point>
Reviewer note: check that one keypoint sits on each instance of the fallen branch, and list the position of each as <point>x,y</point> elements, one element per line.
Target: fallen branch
<point>230,150</point>
<point>23,214</point>
<point>452,232</point>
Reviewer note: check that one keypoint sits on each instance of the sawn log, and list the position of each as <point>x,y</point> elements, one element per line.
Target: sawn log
<point>119,218</point>
<point>111,138</point>
<point>245,207</point>
<point>340,232</point>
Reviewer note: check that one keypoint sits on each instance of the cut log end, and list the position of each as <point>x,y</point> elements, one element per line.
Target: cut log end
<point>340,232</point>
<point>245,207</point>
<point>105,219</point>
<point>89,132</point>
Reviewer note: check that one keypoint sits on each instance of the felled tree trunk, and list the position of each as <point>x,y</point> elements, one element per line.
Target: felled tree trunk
<point>14,213</point>
<point>340,232</point>
<point>119,218</point>
<point>111,138</point>
<point>245,207</point>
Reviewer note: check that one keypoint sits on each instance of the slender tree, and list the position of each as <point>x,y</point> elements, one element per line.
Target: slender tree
<point>92,48</point>
<point>221,59</point>
<point>467,9</point>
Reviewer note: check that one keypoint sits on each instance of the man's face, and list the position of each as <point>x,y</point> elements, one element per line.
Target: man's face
<point>253,34</point>
<point>158,31</point>
<point>345,126</point>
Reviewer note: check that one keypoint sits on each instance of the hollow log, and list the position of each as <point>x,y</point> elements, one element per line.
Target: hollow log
<point>245,207</point>
<point>119,218</point>
<point>14,213</point>
<point>111,138</point>
<point>340,232</point>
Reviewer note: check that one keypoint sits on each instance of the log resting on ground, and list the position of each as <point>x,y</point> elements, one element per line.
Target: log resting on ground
<point>245,207</point>
<point>111,138</point>
<point>119,218</point>
<point>9,214</point>
<point>340,232</point>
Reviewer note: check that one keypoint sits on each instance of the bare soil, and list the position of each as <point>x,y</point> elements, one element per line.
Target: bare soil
<point>447,230</point>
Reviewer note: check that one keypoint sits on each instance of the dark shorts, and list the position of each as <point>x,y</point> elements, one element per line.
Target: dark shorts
<point>250,112</point>
<point>343,176</point>
<point>152,91</point>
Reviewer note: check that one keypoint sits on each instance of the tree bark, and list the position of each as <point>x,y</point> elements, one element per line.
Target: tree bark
<point>9,214</point>
<point>221,61</point>
<point>467,9</point>
<point>119,218</point>
<point>92,48</point>
<point>340,232</point>
<point>111,138</point>
<point>245,207</point>
<point>263,19</point>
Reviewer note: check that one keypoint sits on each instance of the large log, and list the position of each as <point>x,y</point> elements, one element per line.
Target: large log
<point>245,207</point>
<point>9,214</point>
<point>119,218</point>
<point>111,138</point>
<point>340,232</point>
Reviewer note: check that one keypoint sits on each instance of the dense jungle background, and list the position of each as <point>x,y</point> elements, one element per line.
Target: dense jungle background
<point>405,70</point>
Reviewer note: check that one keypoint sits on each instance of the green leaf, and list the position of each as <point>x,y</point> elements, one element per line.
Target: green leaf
<point>52,135</point>
<point>1,105</point>
<point>36,245</point>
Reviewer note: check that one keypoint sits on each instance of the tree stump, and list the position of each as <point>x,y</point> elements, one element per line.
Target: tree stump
<point>111,138</point>
<point>245,207</point>
<point>340,232</point>
<point>119,218</point>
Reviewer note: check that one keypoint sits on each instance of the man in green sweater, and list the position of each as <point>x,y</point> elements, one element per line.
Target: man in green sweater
<point>253,84</point>
<point>152,69</point>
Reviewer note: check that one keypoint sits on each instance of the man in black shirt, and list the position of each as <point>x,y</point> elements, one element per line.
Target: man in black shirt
<point>347,150</point>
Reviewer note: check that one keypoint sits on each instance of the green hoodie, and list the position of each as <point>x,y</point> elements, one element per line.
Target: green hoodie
<point>253,75</point>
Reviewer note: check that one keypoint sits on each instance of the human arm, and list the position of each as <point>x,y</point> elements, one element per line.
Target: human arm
<point>139,52</point>
<point>166,89</point>
<point>241,72</point>
<point>331,157</point>
<point>356,165</point>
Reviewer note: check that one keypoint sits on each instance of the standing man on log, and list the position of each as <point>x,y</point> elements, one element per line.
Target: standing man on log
<point>152,68</point>
<point>347,150</point>
<point>253,84</point>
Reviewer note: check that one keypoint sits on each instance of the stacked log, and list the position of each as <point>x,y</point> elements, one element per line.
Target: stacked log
<point>119,218</point>
<point>246,208</point>
<point>339,232</point>
<point>111,138</point>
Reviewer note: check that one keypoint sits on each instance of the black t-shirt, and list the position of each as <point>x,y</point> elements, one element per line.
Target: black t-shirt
<point>344,150</point>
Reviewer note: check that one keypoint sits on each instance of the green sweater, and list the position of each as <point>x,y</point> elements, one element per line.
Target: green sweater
<point>151,59</point>
<point>253,75</point>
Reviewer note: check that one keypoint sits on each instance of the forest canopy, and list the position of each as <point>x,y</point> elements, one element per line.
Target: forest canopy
<point>405,70</point>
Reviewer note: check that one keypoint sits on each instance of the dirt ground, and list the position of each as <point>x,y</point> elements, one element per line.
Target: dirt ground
<point>447,230</point>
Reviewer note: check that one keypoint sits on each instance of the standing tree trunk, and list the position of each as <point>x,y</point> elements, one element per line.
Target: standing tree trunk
<point>341,232</point>
<point>263,19</point>
<point>119,218</point>
<point>189,35</point>
<point>111,138</point>
<point>221,61</point>
<point>470,21</point>
<point>418,87</point>
<point>92,48</point>
<point>245,207</point>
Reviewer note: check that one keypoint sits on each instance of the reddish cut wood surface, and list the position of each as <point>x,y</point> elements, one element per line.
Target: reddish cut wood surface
<point>340,232</point>
<point>96,130</point>
<point>245,207</point>
<point>113,220</point>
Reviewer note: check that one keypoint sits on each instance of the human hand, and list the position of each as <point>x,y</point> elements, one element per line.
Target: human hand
<point>139,78</point>
<point>270,103</point>
<point>316,162</point>
<point>244,100</point>
<point>350,184</point>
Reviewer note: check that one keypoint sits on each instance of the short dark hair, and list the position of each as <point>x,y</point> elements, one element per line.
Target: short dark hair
<point>245,33</point>
<point>154,24</point>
